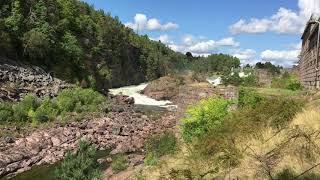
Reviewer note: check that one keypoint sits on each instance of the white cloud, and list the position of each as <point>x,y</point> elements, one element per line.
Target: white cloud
<point>296,46</point>
<point>246,54</point>
<point>227,42</point>
<point>188,40</point>
<point>163,38</point>
<point>141,22</point>
<point>201,46</point>
<point>285,21</point>
<point>252,27</point>
<point>283,57</point>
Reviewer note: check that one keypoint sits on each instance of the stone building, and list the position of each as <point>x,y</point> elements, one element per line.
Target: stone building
<point>309,56</point>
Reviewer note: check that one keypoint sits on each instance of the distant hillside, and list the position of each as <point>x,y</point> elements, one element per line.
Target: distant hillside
<point>79,44</point>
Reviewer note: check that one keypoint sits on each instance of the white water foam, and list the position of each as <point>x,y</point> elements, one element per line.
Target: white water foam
<point>140,99</point>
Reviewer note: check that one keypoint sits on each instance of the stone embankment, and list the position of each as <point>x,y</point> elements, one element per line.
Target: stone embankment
<point>123,130</point>
<point>17,80</point>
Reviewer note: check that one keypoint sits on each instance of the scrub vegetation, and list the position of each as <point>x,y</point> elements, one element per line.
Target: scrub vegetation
<point>71,102</point>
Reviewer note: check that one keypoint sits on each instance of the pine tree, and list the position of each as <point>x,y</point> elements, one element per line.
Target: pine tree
<point>14,21</point>
<point>79,166</point>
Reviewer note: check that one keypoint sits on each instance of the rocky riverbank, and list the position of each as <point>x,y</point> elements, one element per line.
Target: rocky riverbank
<point>17,80</point>
<point>123,130</point>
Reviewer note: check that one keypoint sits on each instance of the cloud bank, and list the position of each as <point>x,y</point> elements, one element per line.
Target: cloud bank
<point>285,21</point>
<point>141,22</point>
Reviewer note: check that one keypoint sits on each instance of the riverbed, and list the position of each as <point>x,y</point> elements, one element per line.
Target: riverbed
<point>151,107</point>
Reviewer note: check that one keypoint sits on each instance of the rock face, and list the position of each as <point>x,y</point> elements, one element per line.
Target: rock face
<point>164,88</point>
<point>17,80</point>
<point>123,132</point>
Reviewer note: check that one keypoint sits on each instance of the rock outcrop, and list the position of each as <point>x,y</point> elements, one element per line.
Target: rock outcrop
<point>123,132</point>
<point>17,80</point>
<point>164,88</point>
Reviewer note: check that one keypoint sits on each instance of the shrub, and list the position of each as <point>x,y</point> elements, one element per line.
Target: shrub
<point>160,145</point>
<point>232,79</point>
<point>248,97</point>
<point>250,81</point>
<point>21,109</point>
<point>281,111</point>
<point>6,111</point>
<point>206,115</point>
<point>119,162</point>
<point>220,144</point>
<point>72,100</point>
<point>275,112</point>
<point>80,165</point>
<point>79,100</point>
<point>287,81</point>
<point>47,111</point>
<point>294,86</point>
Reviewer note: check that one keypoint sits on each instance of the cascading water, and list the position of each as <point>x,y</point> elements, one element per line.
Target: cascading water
<point>140,99</point>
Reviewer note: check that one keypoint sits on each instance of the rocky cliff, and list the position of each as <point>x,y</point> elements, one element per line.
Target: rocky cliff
<point>17,80</point>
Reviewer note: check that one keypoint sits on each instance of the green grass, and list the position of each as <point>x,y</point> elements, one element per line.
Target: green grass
<point>278,92</point>
<point>120,162</point>
<point>160,145</point>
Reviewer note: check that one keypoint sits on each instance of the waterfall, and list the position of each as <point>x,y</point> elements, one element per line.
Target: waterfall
<point>140,99</point>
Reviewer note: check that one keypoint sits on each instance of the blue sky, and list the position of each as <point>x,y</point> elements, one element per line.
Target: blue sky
<point>252,30</point>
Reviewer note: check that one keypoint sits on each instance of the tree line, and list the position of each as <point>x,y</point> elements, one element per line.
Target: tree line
<point>77,43</point>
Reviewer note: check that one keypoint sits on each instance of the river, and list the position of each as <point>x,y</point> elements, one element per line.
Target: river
<point>140,99</point>
<point>149,106</point>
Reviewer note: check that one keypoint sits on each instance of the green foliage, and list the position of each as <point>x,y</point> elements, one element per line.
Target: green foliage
<point>204,116</point>
<point>21,109</point>
<point>14,21</point>
<point>119,162</point>
<point>71,47</point>
<point>105,73</point>
<point>219,143</point>
<point>248,98</point>
<point>80,165</point>
<point>36,44</point>
<point>6,112</point>
<point>92,82</point>
<point>276,112</point>
<point>79,100</point>
<point>269,66</point>
<point>287,81</point>
<point>250,81</point>
<point>231,79</point>
<point>47,111</point>
<point>214,63</point>
<point>72,100</point>
<point>71,39</point>
<point>160,145</point>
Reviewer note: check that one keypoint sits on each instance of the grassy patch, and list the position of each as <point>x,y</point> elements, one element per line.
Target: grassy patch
<point>220,144</point>
<point>160,145</point>
<point>278,92</point>
<point>119,162</point>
